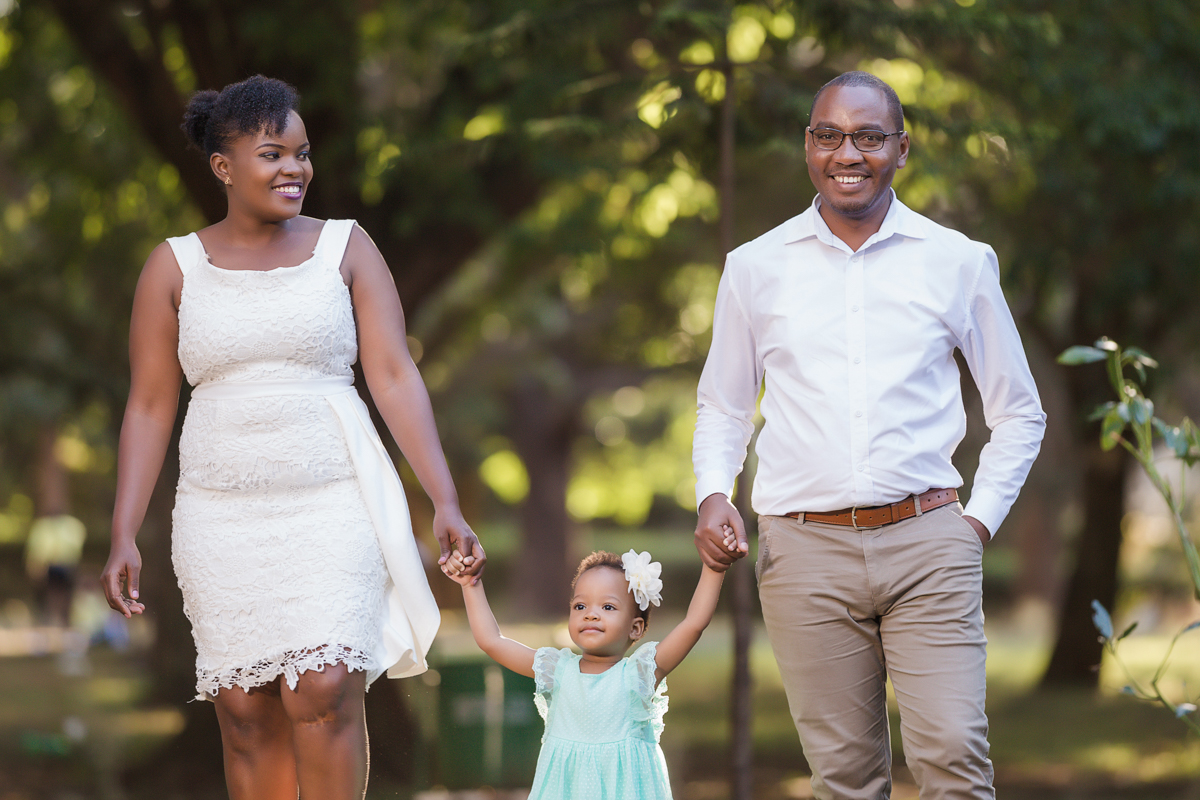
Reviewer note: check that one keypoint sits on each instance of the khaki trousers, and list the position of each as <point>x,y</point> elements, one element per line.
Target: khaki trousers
<point>846,608</point>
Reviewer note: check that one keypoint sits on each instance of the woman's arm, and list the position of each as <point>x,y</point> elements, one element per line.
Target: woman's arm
<point>504,651</point>
<point>155,377</point>
<point>400,394</point>
<point>679,642</point>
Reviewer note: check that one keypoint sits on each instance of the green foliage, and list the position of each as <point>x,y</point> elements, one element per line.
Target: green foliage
<point>1133,412</point>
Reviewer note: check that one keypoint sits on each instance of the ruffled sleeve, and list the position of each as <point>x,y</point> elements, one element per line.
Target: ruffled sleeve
<point>545,667</point>
<point>648,702</point>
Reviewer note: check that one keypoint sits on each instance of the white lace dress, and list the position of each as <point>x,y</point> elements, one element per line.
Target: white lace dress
<point>291,538</point>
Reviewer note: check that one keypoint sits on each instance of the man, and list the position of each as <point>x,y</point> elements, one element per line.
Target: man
<point>868,566</point>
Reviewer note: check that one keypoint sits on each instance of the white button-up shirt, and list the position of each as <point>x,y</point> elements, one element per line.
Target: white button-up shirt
<point>863,405</point>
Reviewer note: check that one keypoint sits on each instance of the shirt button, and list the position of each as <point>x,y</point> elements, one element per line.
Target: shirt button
<point>862,467</point>
<point>858,413</point>
<point>857,360</point>
<point>854,308</point>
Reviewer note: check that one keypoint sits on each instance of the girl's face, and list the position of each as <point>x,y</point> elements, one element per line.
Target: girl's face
<point>602,621</point>
<point>267,176</point>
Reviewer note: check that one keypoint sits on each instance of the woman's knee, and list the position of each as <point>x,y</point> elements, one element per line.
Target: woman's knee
<point>250,720</point>
<point>329,697</point>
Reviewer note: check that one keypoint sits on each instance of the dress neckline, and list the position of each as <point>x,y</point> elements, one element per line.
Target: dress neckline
<point>208,259</point>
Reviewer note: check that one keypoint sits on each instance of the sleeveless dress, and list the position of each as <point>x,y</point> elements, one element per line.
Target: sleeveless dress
<point>291,538</point>
<point>601,740</point>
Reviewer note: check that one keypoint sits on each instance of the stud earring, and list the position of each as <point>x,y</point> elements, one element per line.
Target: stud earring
<point>228,182</point>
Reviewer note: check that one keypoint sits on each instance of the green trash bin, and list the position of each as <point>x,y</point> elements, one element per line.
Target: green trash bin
<point>489,731</point>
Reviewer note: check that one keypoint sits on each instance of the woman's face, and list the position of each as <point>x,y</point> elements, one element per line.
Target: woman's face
<point>267,175</point>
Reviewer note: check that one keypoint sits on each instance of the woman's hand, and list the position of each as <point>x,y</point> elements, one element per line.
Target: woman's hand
<point>454,534</point>
<point>124,567</point>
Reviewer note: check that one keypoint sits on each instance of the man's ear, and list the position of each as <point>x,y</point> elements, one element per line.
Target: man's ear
<point>638,630</point>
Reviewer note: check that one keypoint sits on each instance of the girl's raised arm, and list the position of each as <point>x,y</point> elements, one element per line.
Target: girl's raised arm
<point>504,651</point>
<point>680,641</point>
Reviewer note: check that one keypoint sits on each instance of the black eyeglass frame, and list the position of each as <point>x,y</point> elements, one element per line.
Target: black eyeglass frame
<point>813,132</point>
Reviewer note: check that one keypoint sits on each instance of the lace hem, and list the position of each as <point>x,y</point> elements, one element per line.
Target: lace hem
<point>290,665</point>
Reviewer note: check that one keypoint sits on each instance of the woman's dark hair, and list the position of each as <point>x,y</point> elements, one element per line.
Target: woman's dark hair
<point>258,104</point>
<point>603,558</point>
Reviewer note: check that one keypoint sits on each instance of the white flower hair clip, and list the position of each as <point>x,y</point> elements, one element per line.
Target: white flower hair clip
<point>642,574</point>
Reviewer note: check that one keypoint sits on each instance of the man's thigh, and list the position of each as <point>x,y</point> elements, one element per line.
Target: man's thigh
<point>927,576</point>
<point>823,628</point>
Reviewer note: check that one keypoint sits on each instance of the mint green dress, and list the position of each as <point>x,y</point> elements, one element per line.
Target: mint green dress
<point>601,740</point>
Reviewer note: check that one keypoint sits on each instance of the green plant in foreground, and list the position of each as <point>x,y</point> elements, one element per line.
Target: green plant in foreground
<point>1133,412</point>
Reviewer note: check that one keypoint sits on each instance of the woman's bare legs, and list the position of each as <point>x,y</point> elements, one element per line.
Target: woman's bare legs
<point>329,733</point>
<point>256,735</point>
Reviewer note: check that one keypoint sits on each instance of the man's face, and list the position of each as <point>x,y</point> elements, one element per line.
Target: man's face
<point>854,185</point>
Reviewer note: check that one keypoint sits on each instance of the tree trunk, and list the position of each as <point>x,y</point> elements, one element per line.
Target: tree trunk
<point>1076,655</point>
<point>543,427</point>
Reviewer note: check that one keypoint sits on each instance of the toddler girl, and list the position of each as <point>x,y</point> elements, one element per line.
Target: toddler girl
<point>603,710</point>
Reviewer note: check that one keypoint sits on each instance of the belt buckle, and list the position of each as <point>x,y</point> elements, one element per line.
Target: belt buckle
<point>854,521</point>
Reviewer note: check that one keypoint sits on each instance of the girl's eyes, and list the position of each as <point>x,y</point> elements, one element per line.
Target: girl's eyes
<point>609,607</point>
<point>578,606</point>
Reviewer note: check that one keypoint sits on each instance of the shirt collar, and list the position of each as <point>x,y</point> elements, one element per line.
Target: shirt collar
<point>900,220</point>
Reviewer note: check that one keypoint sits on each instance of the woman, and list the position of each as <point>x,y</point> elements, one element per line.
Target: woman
<point>291,539</point>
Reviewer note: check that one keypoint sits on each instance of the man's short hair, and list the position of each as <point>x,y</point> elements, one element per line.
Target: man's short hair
<point>859,78</point>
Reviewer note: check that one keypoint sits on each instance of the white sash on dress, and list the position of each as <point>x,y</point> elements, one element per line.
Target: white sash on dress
<point>411,617</point>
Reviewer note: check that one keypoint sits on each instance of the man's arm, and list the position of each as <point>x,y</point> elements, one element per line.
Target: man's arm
<point>726,399</point>
<point>1011,406</point>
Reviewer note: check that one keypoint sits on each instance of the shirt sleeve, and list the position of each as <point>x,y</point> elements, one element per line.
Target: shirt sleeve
<point>1011,406</point>
<point>727,394</point>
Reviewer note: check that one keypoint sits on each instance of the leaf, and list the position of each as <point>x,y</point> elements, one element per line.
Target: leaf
<point>1183,709</point>
<point>1142,409</point>
<point>1107,345</point>
<point>1099,412</point>
<point>1079,354</point>
<point>1110,431</point>
<point>1102,620</point>
<point>1135,355</point>
<point>1173,438</point>
<point>1127,631</point>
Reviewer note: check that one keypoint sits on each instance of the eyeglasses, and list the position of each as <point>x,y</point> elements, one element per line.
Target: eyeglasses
<point>866,141</point>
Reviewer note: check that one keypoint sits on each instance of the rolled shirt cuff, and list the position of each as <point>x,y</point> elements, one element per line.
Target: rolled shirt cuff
<point>987,508</point>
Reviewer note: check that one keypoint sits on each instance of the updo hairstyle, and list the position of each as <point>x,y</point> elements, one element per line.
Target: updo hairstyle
<point>259,104</point>
<point>603,558</point>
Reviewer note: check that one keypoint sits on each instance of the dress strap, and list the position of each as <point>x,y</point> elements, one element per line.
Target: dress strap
<point>188,250</point>
<point>335,236</point>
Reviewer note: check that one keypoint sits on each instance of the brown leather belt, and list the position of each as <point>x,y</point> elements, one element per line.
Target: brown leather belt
<point>878,516</point>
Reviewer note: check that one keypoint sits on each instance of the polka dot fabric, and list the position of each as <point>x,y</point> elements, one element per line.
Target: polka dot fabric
<point>602,731</point>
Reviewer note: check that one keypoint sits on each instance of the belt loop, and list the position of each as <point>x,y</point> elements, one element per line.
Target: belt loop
<point>917,504</point>
<point>800,517</point>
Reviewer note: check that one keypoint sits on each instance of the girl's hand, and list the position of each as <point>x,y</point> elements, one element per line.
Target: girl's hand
<point>454,534</point>
<point>455,568</point>
<point>124,567</point>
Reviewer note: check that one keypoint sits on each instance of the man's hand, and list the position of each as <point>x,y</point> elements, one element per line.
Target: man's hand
<point>981,530</point>
<point>720,533</point>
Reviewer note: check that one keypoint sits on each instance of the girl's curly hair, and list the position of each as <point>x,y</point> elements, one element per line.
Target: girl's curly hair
<point>603,558</point>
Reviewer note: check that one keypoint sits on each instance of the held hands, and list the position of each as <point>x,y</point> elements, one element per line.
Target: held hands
<point>459,547</point>
<point>455,569</point>
<point>124,567</point>
<point>720,534</point>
